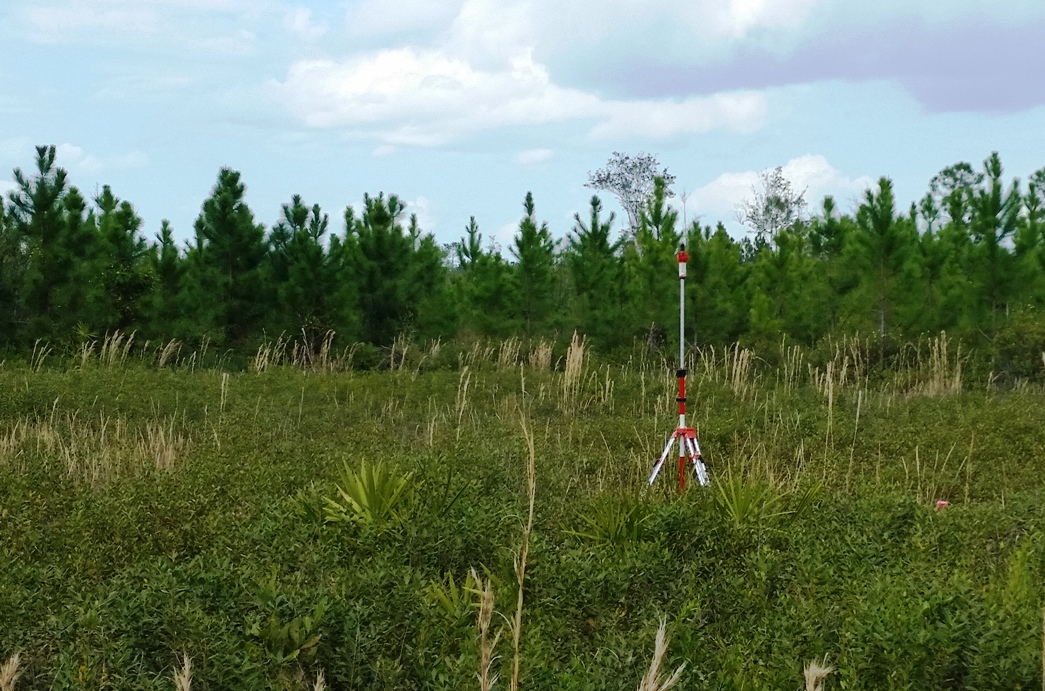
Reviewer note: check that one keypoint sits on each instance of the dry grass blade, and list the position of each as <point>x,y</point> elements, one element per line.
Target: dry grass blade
<point>816,673</point>
<point>654,681</point>
<point>520,564</point>
<point>9,673</point>
<point>183,677</point>
<point>541,356</point>
<point>486,644</point>
<point>573,375</point>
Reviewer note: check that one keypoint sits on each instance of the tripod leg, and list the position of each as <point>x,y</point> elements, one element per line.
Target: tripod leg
<point>699,469</point>
<point>663,457</point>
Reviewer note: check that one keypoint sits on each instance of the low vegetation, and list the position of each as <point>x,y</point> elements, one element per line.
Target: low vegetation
<point>477,516</point>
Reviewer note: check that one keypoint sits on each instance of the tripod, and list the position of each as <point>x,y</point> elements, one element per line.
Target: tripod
<point>689,447</point>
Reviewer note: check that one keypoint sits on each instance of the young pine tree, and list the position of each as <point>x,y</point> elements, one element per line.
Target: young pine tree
<point>884,252</point>
<point>995,216</point>
<point>164,310</point>
<point>376,254</point>
<point>12,269</point>
<point>1029,243</point>
<point>483,286</point>
<point>305,276</point>
<point>123,275</point>
<point>717,301</point>
<point>61,241</point>
<point>595,269</point>
<point>225,279</point>
<point>534,252</point>
<point>651,270</point>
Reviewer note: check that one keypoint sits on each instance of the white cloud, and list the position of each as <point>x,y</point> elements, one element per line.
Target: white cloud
<point>812,173</point>
<point>75,159</point>
<point>299,22</point>
<point>72,157</point>
<point>743,111</point>
<point>533,156</point>
<point>427,98</point>
<point>739,17</point>
<point>503,238</point>
<point>422,206</point>
<point>383,150</point>
<point>491,34</point>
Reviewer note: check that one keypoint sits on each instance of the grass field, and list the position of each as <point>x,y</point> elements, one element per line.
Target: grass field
<point>286,521</point>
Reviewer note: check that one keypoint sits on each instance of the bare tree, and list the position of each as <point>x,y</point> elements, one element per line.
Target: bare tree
<point>774,206</point>
<point>631,178</point>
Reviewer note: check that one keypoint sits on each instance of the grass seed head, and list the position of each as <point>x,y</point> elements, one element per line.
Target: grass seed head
<point>816,673</point>
<point>9,673</point>
<point>183,677</point>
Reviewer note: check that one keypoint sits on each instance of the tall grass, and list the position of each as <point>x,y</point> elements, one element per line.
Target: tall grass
<point>93,450</point>
<point>573,374</point>
<point>520,561</point>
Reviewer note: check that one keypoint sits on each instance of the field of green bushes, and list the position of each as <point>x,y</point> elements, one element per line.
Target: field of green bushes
<point>303,515</point>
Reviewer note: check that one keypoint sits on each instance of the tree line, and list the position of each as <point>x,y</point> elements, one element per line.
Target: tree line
<point>968,258</point>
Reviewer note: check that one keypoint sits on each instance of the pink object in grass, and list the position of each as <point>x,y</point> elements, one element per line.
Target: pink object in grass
<point>941,504</point>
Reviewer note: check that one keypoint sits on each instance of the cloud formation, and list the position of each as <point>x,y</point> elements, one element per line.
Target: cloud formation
<point>427,98</point>
<point>74,159</point>
<point>299,22</point>
<point>812,173</point>
<point>960,66</point>
<point>533,156</point>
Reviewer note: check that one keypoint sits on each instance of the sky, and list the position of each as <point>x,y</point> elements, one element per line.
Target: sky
<point>460,107</point>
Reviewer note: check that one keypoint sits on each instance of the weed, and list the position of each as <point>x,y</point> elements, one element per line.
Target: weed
<point>371,497</point>
<point>615,522</point>
<point>452,600</point>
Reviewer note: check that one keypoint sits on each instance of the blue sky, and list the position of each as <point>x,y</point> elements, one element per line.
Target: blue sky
<point>462,106</point>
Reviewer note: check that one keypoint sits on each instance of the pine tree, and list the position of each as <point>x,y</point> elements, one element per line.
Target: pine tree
<point>303,273</point>
<point>1029,243</point>
<point>534,252</point>
<point>38,219</point>
<point>61,243</point>
<point>226,264</point>
<point>995,215</point>
<point>595,269</point>
<point>483,286</point>
<point>377,250</point>
<point>787,286</point>
<point>828,236</point>
<point>883,247</point>
<point>122,274</point>
<point>12,270</point>
<point>716,288</point>
<point>651,270</point>
<point>164,309</point>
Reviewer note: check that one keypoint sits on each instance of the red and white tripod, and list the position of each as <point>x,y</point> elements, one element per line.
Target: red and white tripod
<point>689,447</point>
